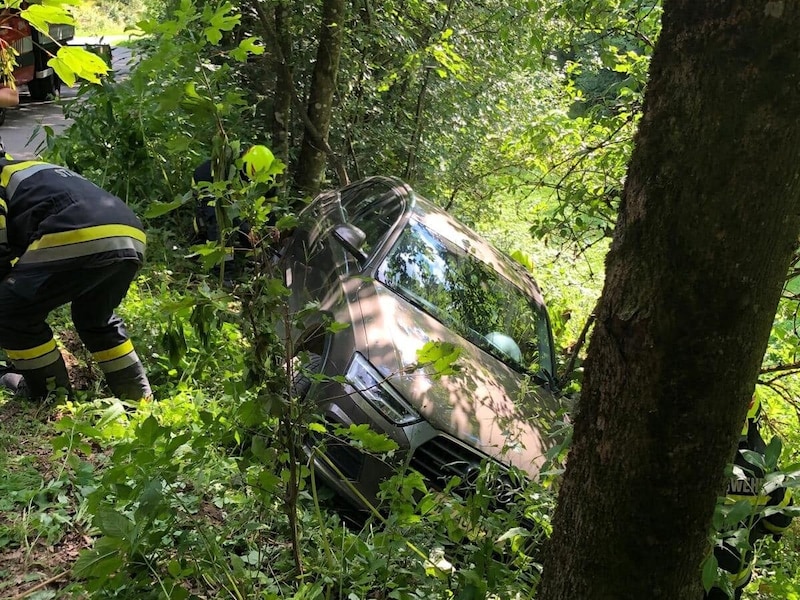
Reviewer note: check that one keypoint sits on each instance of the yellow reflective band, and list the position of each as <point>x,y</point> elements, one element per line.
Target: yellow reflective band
<point>2,222</point>
<point>9,170</point>
<point>4,206</point>
<point>65,238</point>
<point>119,364</point>
<point>121,350</point>
<point>772,528</point>
<point>32,352</point>
<point>754,500</point>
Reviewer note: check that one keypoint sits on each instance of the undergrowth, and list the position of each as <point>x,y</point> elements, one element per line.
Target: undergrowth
<point>185,497</point>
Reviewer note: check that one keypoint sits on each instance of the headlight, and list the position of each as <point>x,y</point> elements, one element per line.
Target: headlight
<point>365,379</point>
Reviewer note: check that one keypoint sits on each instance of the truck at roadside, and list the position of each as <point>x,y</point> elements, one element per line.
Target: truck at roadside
<point>33,50</point>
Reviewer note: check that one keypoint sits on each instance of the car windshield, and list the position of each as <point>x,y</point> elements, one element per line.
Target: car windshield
<point>468,296</point>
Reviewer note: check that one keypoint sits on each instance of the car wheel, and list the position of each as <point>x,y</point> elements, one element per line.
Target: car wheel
<point>301,382</point>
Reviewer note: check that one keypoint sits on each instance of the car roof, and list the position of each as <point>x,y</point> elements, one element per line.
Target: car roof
<point>446,225</point>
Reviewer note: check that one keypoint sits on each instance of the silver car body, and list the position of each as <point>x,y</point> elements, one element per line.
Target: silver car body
<point>397,272</point>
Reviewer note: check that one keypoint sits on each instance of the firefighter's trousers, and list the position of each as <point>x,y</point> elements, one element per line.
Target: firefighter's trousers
<point>26,299</point>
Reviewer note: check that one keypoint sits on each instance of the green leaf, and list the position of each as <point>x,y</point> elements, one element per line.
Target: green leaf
<point>112,523</point>
<point>474,590</point>
<point>250,413</point>
<point>441,355</point>
<point>709,571</point>
<point>247,47</point>
<point>364,437</point>
<point>317,427</point>
<point>336,327</point>
<point>286,222</point>
<point>40,16</point>
<point>100,561</point>
<point>260,449</point>
<point>73,61</point>
<point>178,593</point>
<point>174,568</point>
<point>773,453</point>
<point>156,209</point>
<point>525,259</point>
<point>150,500</point>
<point>110,415</point>
<point>268,481</point>
<point>220,21</point>
<point>195,103</point>
<point>148,431</point>
<point>514,532</point>
<point>754,458</point>
<point>738,512</point>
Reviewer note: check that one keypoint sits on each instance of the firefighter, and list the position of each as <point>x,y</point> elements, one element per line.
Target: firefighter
<point>65,240</point>
<point>735,553</point>
<point>205,219</point>
<point>254,161</point>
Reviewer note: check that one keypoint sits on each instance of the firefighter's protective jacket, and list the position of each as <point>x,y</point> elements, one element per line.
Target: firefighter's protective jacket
<point>736,554</point>
<point>53,217</point>
<point>749,482</point>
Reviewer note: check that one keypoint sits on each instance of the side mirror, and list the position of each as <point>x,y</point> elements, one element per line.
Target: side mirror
<point>351,238</point>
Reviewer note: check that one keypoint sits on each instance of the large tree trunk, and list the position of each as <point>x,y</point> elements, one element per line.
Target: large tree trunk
<point>284,84</point>
<point>703,241</point>
<point>315,149</point>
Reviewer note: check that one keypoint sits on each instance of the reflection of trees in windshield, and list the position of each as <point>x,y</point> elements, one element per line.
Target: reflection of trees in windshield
<point>466,294</point>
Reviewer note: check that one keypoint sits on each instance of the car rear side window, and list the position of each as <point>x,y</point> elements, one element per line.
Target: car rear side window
<point>375,218</point>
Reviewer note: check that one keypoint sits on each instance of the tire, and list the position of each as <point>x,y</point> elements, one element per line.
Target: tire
<point>47,88</point>
<point>301,383</point>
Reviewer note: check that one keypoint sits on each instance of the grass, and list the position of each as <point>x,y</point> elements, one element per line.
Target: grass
<point>40,532</point>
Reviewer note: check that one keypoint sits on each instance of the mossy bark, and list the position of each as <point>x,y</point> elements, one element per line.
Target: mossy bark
<point>313,156</point>
<point>284,85</point>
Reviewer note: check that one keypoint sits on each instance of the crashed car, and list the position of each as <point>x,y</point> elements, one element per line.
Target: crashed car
<point>394,272</point>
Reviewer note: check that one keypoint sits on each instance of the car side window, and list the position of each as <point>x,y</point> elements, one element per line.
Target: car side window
<point>375,218</point>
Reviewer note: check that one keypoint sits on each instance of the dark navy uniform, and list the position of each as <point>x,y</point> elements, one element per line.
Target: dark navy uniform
<point>65,240</point>
<point>205,221</point>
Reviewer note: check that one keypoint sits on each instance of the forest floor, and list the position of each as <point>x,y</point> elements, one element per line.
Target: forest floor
<point>39,532</point>
<point>41,527</point>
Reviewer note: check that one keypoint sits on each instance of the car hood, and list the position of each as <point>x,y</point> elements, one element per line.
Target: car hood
<point>486,405</point>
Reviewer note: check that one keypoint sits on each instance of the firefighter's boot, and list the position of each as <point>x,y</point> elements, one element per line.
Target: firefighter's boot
<point>130,383</point>
<point>14,383</point>
<point>37,384</point>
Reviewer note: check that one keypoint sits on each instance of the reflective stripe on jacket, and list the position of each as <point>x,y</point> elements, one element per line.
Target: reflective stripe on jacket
<point>51,215</point>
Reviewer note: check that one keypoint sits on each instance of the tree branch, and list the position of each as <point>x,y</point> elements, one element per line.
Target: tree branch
<point>577,348</point>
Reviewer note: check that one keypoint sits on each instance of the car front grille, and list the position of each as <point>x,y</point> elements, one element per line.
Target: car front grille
<point>442,458</point>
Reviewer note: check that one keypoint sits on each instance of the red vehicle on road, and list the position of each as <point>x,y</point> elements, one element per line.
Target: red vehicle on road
<point>34,49</point>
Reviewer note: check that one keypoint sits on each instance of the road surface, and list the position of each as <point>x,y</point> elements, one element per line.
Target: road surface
<point>21,137</point>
